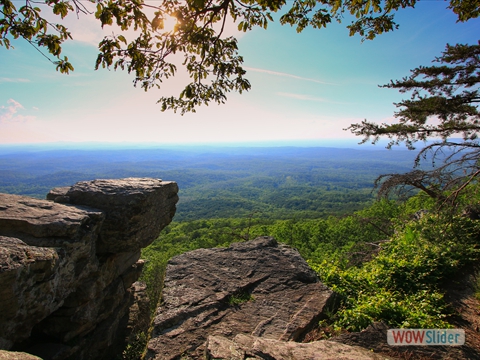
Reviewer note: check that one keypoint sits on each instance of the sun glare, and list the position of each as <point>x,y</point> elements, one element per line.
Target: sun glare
<point>169,23</point>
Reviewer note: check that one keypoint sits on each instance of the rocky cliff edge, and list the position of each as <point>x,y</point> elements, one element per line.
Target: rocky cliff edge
<point>67,264</point>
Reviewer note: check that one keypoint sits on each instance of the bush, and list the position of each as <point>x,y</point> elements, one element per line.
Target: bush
<point>402,284</point>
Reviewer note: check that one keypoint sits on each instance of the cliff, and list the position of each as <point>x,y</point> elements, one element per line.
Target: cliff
<point>67,264</point>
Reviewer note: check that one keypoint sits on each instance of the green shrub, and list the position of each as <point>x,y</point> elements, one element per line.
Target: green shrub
<point>240,298</point>
<point>402,284</point>
<point>136,347</point>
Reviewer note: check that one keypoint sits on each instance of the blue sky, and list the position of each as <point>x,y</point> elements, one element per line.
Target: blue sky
<point>305,87</point>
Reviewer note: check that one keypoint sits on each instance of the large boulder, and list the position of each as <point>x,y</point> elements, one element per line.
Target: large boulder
<point>67,266</point>
<point>258,288</point>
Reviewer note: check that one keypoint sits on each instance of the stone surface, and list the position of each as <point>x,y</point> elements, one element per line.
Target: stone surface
<point>136,209</point>
<point>258,288</point>
<point>46,250</point>
<point>67,266</point>
<point>44,223</point>
<point>12,355</point>
<point>373,337</point>
<point>243,347</point>
<point>139,320</point>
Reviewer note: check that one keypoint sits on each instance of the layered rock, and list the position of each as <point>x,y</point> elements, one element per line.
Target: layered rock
<point>259,288</point>
<point>67,266</point>
<point>136,209</point>
<point>46,250</point>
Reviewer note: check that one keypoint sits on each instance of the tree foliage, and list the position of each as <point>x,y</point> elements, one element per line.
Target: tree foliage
<point>402,284</point>
<point>210,57</point>
<point>443,104</point>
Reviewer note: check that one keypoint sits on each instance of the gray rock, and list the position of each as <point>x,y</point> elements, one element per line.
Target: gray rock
<point>139,320</point>
<point>59,194</point>
<point>46,250</point>
<point>258,288</point>
<point>136,209</point>
<point>67,266</point>
<point>43,223</point>
<point>250,347</point>
<point>13,355</point>
<point>374,336</point>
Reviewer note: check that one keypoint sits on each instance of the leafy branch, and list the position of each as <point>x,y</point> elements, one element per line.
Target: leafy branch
<point>211,59</point>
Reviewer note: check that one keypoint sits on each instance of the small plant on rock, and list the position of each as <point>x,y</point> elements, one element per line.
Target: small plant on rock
<point>240,298</point>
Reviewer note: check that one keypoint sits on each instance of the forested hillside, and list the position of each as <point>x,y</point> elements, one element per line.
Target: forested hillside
<point>274,183</point>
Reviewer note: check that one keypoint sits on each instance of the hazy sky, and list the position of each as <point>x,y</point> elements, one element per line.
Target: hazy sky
<point>304,86</point>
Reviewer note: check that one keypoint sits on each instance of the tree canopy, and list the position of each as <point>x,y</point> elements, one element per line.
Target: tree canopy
<point>443,105</point>
<point>210,57</point>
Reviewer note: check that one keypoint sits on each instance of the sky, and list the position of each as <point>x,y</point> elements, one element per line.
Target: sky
<point>306,88</point>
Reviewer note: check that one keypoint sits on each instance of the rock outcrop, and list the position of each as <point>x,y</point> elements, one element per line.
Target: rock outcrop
<point>67,264</point>
<point>135,209</point>
<point>257,288</point>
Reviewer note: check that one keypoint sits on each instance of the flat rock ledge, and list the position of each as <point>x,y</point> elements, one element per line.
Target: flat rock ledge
<point>67,265</point>
<point>257,288</point>
<point>249,347</point>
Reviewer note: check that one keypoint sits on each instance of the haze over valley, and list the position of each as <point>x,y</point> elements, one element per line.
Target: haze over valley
<point>215,182</point>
